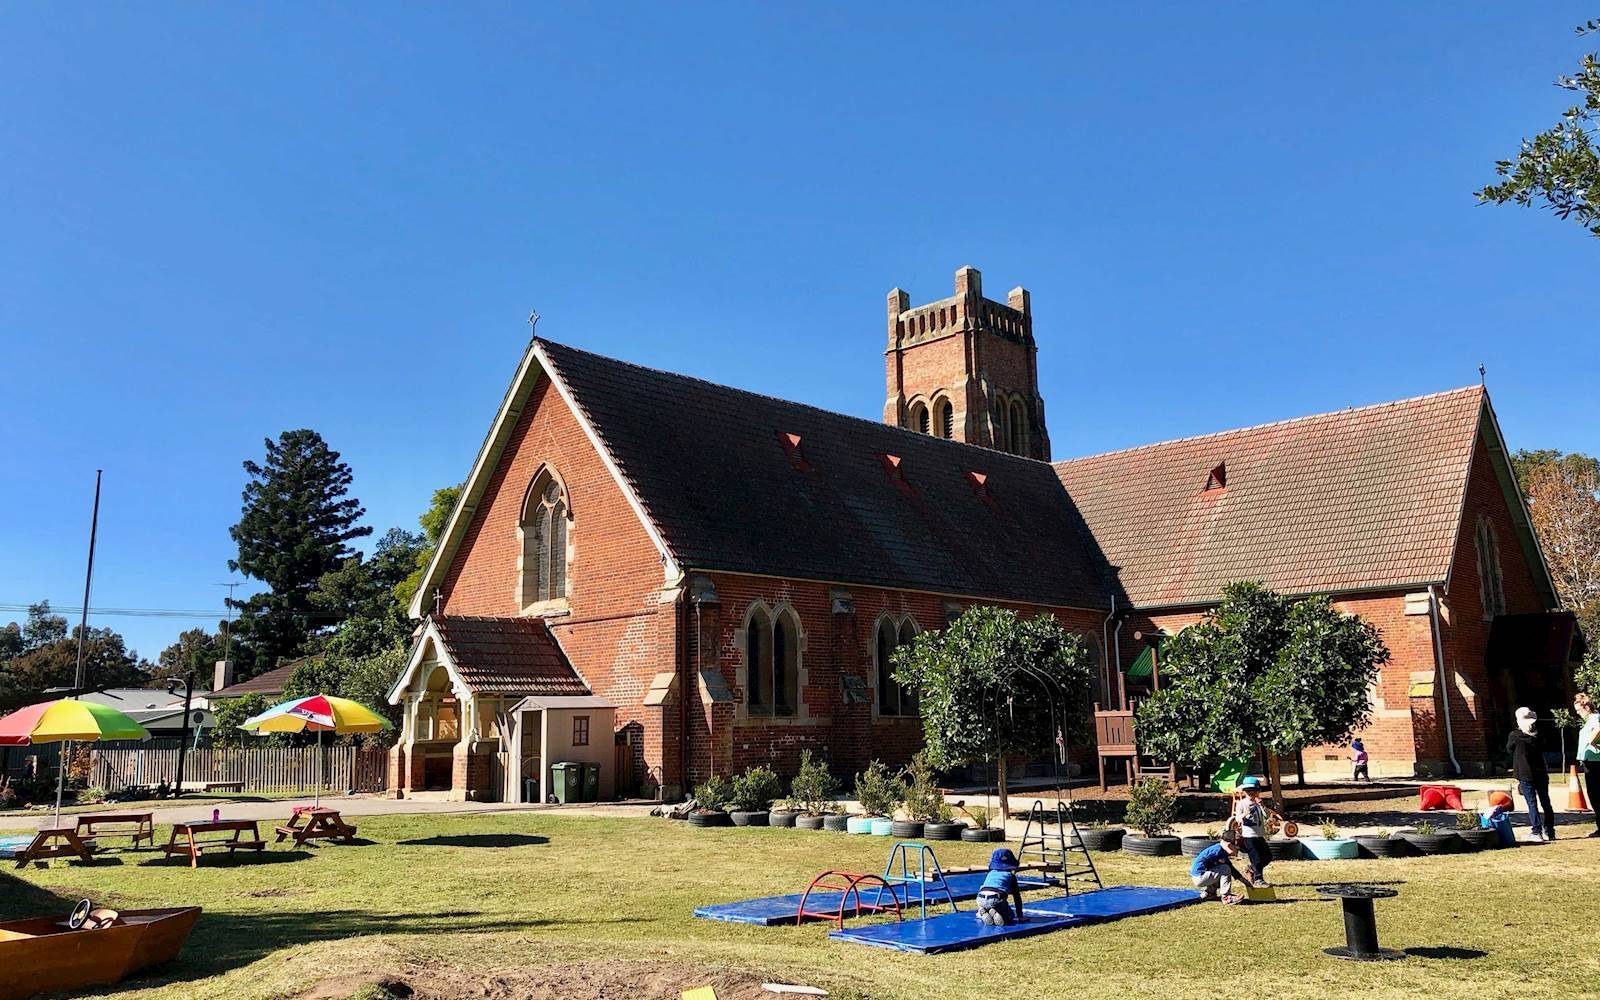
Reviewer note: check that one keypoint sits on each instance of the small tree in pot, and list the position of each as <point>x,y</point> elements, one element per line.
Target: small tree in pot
<point>879,792</point>
<point>752,794</point>
<point>813,790</point>
<point>1151,806</point>
<point>711,799</point>
<point>925,802</point>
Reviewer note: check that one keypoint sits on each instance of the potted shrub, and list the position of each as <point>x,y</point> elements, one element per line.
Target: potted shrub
<point>924,802</point>
<point>813,790</point>
<point>1151,804</point>
<point>1474,835</point>
<point>1192,844</point>
<point>879,794</point>
<point>979,832</point>
<point>711,802</point>
<point>1379,845</point>
<point>752,795</point>
<point>783,814</point>
<point>1331,846</point>
<point>1429,839</point>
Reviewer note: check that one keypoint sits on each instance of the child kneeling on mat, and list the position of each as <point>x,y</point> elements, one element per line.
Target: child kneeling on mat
<point>994,906</point>
<point>1213,871</point>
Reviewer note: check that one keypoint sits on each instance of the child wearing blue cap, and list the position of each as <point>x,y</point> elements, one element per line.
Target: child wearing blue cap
<point>1250,823</point>
<point>999,890</point>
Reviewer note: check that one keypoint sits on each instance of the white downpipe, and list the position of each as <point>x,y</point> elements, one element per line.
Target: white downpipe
<point>1444,683</point>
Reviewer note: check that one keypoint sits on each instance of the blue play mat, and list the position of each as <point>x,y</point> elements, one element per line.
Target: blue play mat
<point>10,845</point>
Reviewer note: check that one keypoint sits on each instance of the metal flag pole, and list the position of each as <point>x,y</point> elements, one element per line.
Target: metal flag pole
<point>83,634</point>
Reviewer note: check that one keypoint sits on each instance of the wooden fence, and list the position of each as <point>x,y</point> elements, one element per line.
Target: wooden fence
<point>261,769</point>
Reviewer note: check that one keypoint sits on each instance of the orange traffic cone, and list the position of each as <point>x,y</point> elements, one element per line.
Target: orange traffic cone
<point>1575,798</point>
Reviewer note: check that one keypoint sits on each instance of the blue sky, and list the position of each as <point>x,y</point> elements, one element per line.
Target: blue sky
<point>223,221</point>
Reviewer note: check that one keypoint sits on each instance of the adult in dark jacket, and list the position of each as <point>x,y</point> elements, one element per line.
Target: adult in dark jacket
<point>1533,777</point>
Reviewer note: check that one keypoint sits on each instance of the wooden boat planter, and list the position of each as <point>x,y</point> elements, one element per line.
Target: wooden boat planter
<point>44,955</point>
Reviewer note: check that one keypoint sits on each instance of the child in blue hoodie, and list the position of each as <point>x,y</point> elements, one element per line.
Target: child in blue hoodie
<point>999,890</point>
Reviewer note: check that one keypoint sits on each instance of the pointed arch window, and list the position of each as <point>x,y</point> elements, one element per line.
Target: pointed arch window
<point>1019,429</point>
<point>772,662</point>
<point>944,418</point>
<point>920,421</point>
<point>544,527</point>
<point>893,699</point>
<point>1491,583</point>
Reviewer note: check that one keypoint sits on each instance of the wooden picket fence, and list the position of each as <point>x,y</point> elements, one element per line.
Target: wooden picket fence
<point>260,769</point>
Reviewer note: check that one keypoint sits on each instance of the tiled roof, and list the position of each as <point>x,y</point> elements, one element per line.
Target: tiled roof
<point>709,466</point>
<point>1358,499</point>
<point>269,683</point>
<point>507,656</point>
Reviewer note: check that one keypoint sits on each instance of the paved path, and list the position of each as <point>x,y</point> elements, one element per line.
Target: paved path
<point>356,805</point>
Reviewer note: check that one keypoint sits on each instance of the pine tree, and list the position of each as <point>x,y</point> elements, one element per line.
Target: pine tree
<point>296,525</point>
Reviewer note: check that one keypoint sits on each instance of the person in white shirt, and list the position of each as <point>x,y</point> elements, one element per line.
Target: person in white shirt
<point>1589,753</point>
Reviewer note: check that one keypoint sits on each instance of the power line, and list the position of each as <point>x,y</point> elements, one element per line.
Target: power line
<point>218,614</point>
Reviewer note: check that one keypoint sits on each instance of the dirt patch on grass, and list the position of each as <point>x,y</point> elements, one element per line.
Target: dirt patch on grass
<point>601,979</point>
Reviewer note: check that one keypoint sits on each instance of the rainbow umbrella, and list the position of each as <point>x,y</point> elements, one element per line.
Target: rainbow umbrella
<point>318,713</point>
<point>66,720</point>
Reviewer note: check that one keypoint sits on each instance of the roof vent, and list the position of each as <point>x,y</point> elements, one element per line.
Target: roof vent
<point>791,448</point>
<point>980,485</point>
<point>897,473</point>
<point>1217,478</point>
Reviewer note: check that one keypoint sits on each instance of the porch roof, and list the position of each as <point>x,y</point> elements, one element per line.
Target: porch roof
<point>516,656</point>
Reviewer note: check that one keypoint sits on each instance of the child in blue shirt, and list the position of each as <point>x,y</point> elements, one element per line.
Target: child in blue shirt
<point>1213,872</point>
<point>994,906</point>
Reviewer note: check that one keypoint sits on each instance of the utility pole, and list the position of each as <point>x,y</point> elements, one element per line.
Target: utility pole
<point>65,760</point>
<point>183,744</point>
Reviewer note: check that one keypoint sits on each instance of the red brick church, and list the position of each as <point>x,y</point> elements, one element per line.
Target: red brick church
<point>709,578</point>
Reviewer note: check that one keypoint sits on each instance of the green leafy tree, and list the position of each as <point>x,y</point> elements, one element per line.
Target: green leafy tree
<point>231,713</point>
<point>1586,677</point>
<point>987,683</point>
<point>198,650</point>
<point>1261,671</point>
<point>1560,167</point>
<point>296,526</point>
<point>433,522</point>
<point>107,662</point>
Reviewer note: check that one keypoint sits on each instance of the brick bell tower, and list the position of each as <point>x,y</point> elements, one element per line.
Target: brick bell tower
<point>966,368</point>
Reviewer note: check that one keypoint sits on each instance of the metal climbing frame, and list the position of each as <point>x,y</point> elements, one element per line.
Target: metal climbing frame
<point>1053,848</point>
<point>924,874</point>
<point>848,886</point>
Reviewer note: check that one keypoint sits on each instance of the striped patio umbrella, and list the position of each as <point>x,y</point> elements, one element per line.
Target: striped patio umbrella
<point>66,720</point>
<point>318,713</point>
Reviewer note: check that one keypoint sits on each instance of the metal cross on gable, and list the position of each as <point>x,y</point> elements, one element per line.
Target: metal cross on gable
<point>438,603</point>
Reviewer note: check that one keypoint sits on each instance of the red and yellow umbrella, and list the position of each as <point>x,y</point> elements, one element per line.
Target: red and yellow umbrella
<point>67,719</point>
<point>317,713</point>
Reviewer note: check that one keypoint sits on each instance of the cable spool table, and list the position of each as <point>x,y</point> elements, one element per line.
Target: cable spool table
<point>1360,925</point>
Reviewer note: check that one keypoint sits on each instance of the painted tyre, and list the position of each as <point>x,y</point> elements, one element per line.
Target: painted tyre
<point>882,827</point>
<point>1338,849</point>
<point>859,824</point>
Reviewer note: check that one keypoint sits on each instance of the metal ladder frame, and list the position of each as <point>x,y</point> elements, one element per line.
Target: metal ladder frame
<point>917,876</point>
<point>1054,855</point>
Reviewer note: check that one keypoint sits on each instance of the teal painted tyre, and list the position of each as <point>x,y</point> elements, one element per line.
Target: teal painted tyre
<point>1339,849</point>
<point>882,827</point>
<point>859,824</point>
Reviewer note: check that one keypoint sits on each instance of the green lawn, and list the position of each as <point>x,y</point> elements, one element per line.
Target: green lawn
<point>483,905</point>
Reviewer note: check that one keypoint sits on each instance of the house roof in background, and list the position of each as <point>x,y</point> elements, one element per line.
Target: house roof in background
<point>1359,499</point>
<point>271,682</point>
<point>507,656</point>
<point>853,501</point>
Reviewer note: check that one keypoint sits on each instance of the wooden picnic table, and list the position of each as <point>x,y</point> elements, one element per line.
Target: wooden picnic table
<point>142,823</point>
<point>195,839</point>
<point>320,823</point>
<point>55,842</point>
